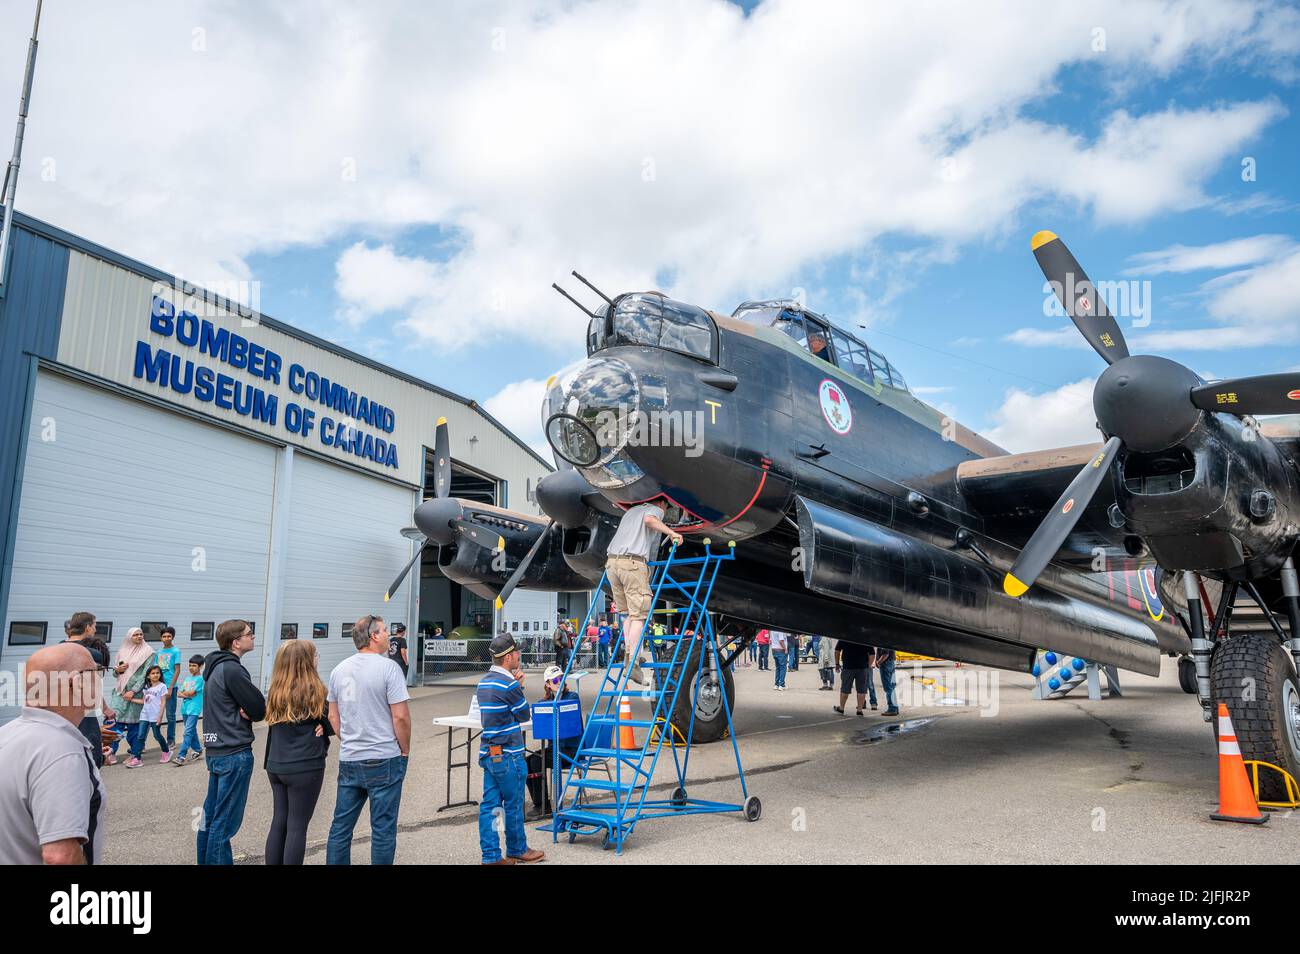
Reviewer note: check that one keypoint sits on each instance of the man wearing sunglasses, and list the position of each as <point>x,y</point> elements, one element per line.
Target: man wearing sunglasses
<point>51,797</point>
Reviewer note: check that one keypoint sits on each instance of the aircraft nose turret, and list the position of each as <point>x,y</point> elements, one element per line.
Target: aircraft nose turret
<point>591,417</point>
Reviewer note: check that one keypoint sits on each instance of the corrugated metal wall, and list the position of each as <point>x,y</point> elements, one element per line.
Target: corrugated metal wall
<point>29,329</point>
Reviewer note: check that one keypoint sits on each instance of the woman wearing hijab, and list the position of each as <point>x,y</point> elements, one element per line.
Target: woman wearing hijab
<point>133,661</point>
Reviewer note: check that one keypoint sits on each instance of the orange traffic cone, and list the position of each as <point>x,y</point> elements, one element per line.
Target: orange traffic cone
<point>627,738</point>
<point>1236,798</point>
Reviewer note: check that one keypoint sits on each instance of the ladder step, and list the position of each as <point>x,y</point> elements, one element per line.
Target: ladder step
<point>635,723</point>
<point>591,818</point>
<point>604,785</point>
<point>644,665</point>
<point>629,694</point>
<point>623,754</point>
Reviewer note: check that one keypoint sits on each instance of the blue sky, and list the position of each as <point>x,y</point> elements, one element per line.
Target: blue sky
<point>891,163</point>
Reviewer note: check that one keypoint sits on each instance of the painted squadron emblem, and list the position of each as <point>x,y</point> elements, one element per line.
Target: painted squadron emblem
<point>835,407</point>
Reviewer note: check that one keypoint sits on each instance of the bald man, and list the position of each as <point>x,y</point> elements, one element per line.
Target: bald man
<point>51,797</point>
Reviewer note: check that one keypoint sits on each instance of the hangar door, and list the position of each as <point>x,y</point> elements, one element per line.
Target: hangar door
<point>138,515</point>
<point>344,547</point>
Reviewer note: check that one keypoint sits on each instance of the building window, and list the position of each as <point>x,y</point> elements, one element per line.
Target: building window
<point>252,627</point>
<point>320,630</point>
<point>202,632</point>
<point>288,630</point>
<point>26,634</point>
<point>104,631</point>
<point>153,631</point>
<point>514,626</point>
<point>525,626</point>
<point>345,628</point>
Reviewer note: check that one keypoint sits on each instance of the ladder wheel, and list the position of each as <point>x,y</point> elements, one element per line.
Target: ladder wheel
<point>679,798</point>
<point>573,836</point>
<point>753,808</point>
<point>606,842</point>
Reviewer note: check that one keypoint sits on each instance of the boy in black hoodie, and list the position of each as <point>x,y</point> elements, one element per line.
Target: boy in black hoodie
<point>231,704</point>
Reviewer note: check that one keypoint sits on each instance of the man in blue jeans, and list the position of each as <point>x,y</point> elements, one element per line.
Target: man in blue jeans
<point>780,654</point>
<point>885,659</point>
<point>603,636</point>
<point>372,718</point>
<point>502,708</point>
<point>231,704</point>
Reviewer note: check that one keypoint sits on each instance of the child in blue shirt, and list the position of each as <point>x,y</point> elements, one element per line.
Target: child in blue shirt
<point>190,691</point>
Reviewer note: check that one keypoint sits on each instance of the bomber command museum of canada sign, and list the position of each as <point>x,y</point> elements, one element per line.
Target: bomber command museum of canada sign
<point>189,355</point>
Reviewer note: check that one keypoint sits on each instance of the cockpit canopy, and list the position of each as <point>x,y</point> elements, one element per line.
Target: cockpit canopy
<point>655,321</point>
<point>818,337</point>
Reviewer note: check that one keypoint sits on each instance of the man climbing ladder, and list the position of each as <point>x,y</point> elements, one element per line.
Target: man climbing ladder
<point>627,569</point>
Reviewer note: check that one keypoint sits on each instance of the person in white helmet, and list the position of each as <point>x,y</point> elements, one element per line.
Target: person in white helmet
<point>553,687</point>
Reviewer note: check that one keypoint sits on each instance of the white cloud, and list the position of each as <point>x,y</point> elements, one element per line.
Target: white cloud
<point>1065,337</point>
<point>1265,295</point>
<point>626,140</point>
<point>518,407</point>
<point>1058,418</point>
<point>1234,253</point>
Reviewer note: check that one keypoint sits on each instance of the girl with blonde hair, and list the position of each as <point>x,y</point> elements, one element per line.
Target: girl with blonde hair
<point>296,746</point>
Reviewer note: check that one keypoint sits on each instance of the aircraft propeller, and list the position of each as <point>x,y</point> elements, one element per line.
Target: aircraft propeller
<point>440,518</point>
<point>1143,403</point>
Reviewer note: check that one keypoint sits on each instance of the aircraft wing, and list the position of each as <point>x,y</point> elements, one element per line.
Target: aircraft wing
<point>1014,492</point>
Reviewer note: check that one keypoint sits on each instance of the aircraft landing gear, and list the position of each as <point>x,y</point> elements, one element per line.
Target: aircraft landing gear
<point>1187,674</point>
<point>1254,676</point>
<point>706,698</point>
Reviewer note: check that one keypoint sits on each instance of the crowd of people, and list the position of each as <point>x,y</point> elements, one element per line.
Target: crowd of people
<point>90,702</point>
<point>79,710</point>
<point>854,662</point>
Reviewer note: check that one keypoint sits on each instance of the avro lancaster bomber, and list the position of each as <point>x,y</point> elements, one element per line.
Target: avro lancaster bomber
<point>861,513</point>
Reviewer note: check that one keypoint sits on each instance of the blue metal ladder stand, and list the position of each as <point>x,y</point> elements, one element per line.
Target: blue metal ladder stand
<point>612,806</point>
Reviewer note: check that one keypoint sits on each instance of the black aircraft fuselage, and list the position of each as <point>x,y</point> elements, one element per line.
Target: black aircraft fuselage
<point>775,430</point>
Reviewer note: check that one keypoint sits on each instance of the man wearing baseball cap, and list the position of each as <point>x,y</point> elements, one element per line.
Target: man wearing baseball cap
<point>502,709</point>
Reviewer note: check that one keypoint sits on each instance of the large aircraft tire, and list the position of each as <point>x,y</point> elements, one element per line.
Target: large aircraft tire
<point>710,718</point>
<point>1254,676</point>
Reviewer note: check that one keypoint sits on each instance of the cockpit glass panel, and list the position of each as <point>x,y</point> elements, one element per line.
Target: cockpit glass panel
<point>790,323</point>
<point>686,329</point>
<point>637,319</point>
<point>818,340</point>
<point>896,378</point>
<point>879,366</point>
<point>852,356</point>
<point>596,330</point>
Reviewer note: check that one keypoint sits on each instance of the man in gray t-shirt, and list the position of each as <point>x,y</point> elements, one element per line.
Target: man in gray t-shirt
<point>371,717</point>
<point>628,574</point>
<point>51,797</point>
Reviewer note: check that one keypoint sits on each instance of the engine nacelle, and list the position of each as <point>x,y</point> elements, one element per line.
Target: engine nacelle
<point>1227,490</point>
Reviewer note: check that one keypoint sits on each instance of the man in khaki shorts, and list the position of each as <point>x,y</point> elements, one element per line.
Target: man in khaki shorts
<point>628,572</point>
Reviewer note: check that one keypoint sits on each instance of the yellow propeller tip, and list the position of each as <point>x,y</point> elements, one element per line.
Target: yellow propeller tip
<point>1040,239</point>
<point>499,604</point>
<point>443,420</point>
<point>550,381</point>
<point>387,596</point>
<point>501,543</point>
<point>1014,587</point>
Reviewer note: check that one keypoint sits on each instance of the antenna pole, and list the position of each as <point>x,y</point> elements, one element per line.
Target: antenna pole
<point>11,173</point>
